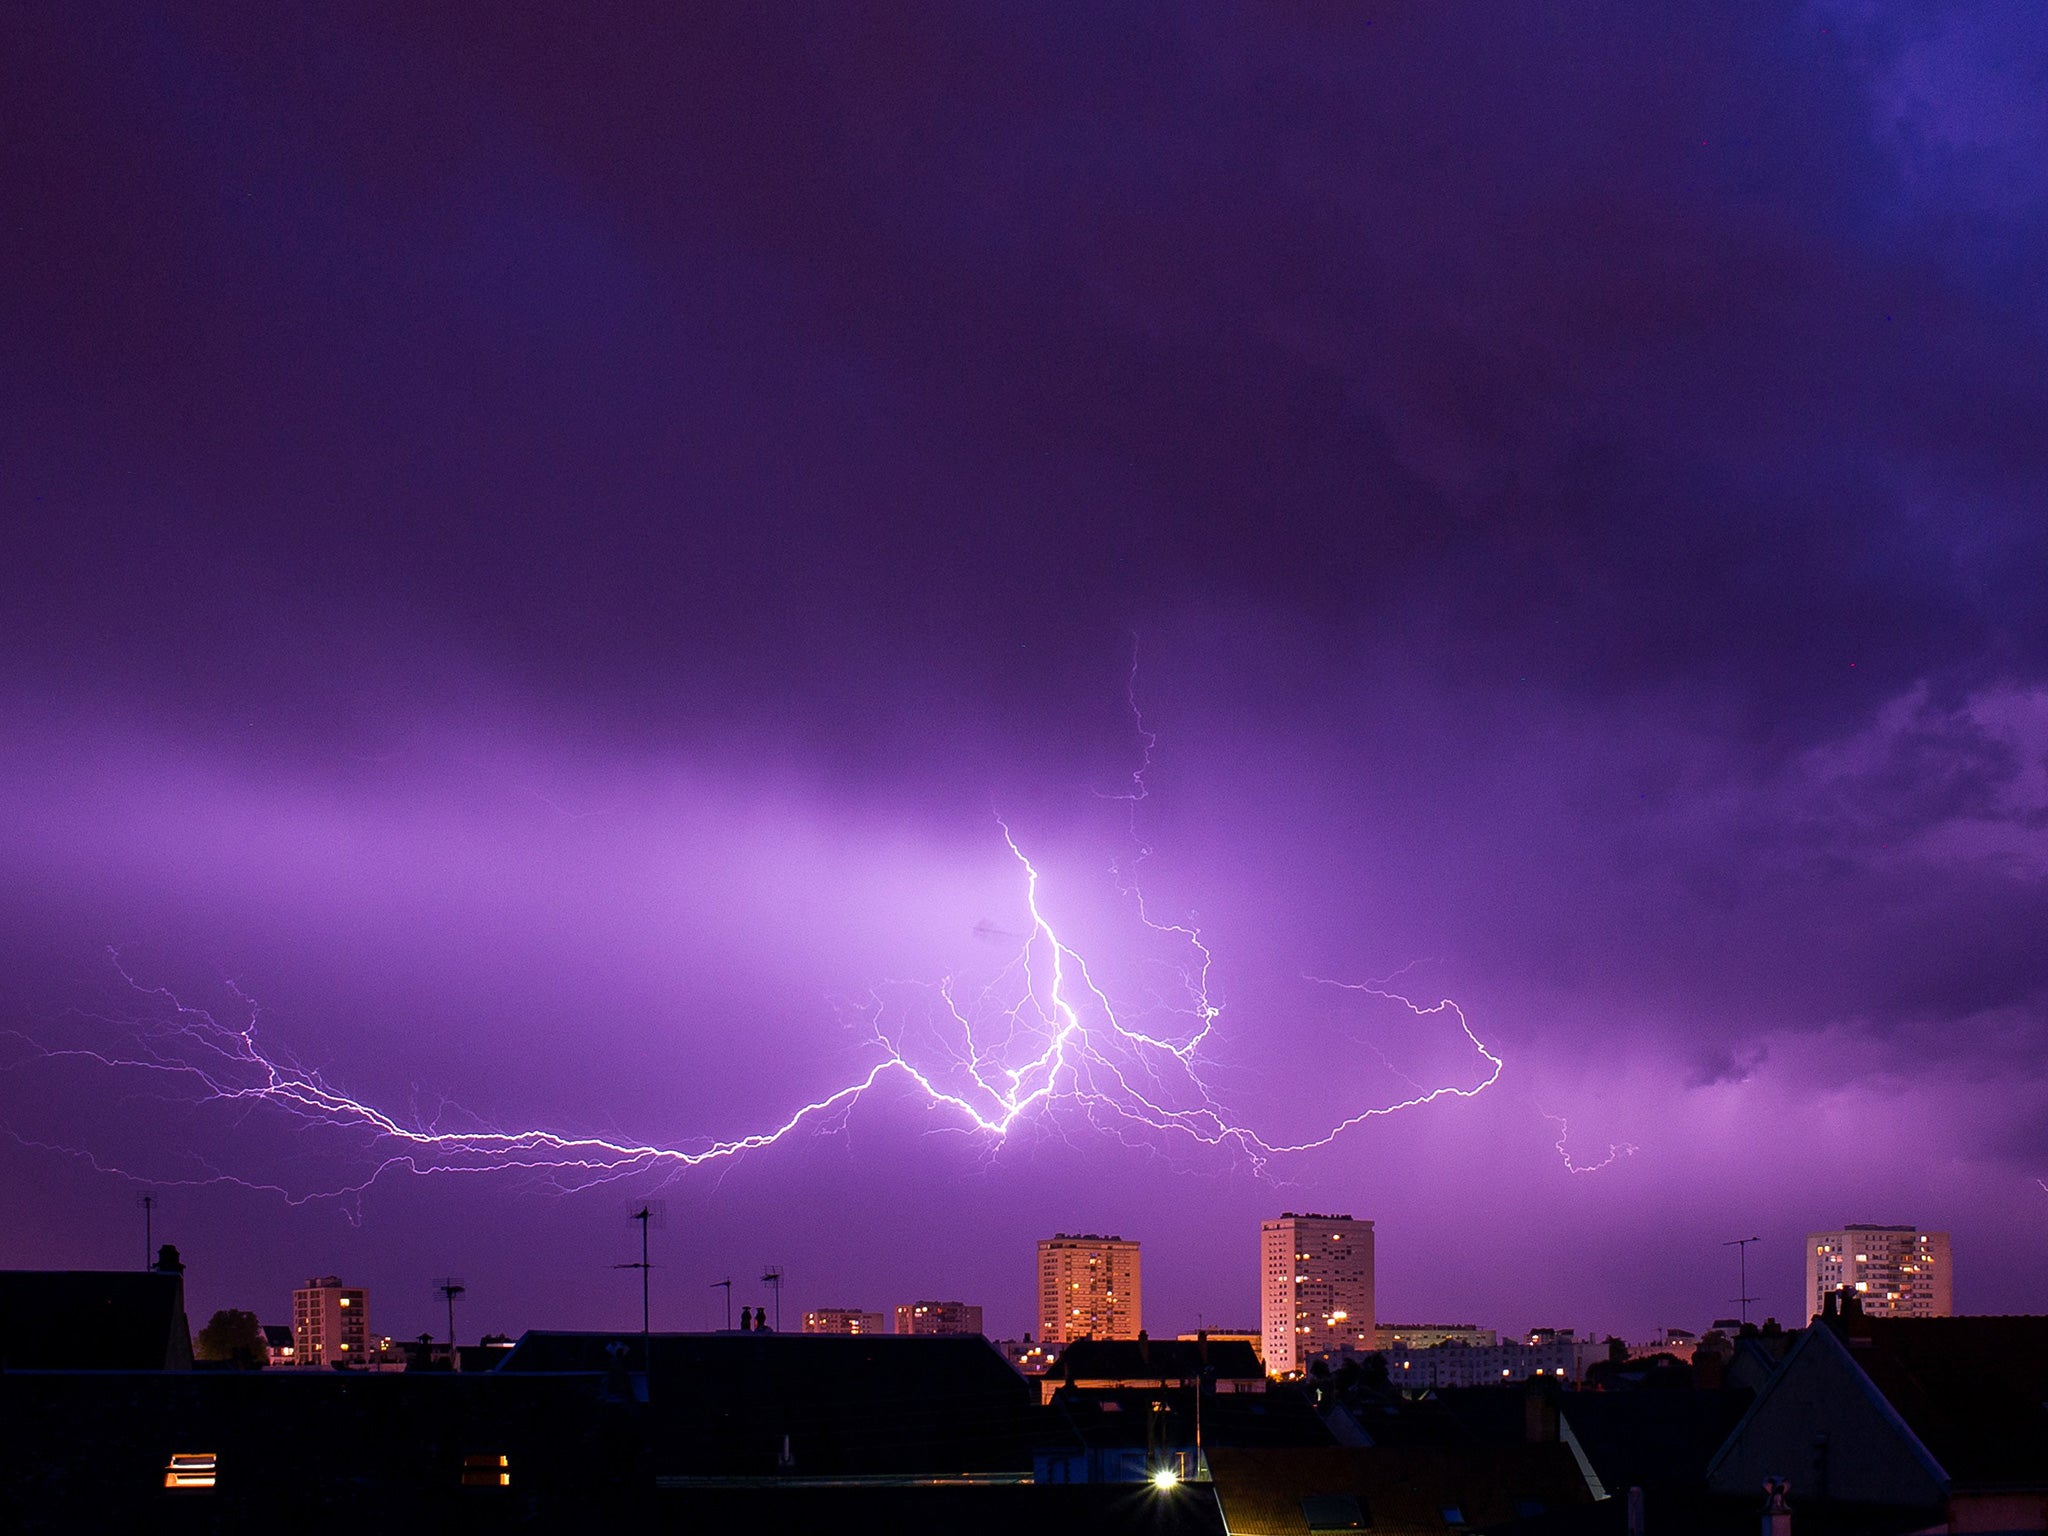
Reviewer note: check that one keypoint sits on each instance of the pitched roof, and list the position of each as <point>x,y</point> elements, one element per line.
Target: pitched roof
<point>93,1320</point>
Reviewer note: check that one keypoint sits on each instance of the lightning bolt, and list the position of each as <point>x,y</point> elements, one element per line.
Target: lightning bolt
<point>1039,1039</point>
<point>1616,1150</point>
<point>1035,1044</point>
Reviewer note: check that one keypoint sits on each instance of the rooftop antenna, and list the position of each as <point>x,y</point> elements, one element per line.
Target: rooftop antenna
<point>1741,1247</point>
<point>652,1213</point>
<point>726,1283</point>
<point>147,1200</point>
<point>451,1288</point>
<point>772,1277</point>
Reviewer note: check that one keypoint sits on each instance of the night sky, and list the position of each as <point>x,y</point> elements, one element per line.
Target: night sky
<point>544,554</point>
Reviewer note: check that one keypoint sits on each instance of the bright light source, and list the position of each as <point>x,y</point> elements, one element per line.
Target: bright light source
<point>1165,1478</point>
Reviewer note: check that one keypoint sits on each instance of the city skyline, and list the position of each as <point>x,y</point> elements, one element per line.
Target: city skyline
<point>1931,1258</point>
<point>966,630</point>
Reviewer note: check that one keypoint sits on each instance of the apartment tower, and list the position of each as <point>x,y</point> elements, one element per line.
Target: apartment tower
<point>330,1323</point>
<point>1315,1288</point>
<point>1894,1271</point>
<point>1087,1288</point>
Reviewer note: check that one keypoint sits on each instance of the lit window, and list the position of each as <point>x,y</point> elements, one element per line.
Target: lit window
<point>486,1472</point>
<point>190,1469</point>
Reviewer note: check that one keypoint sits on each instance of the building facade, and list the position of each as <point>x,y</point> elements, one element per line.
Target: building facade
<point>1429,1335</point>
<point>1549,1352</point>
<point>1315,1289</point>
<point>1894,1271</point>
<point>1088,1288</point>
<point>842,1320</point>
<point>938,1317</point>
<point>330,1323</point>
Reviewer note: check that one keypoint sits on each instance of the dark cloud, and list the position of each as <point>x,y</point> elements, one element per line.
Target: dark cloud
<point>600,515</point>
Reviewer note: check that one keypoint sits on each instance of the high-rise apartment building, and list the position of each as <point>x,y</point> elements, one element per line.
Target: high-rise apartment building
<point>1087,1288</point>
<point>1894,1271</point>
<point>1315,1288</point>
<point>842,1320</point>
<point>938,1317</point>
<point>330,1323</point>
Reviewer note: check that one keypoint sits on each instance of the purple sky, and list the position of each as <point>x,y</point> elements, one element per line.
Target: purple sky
<point>540,556</point>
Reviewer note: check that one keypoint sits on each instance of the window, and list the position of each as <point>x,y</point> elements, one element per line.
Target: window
<point>1335,1512</point>
<point>190,1469</point>
<point>486,1472</point>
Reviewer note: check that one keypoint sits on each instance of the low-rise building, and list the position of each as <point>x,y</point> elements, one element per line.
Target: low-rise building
<point>938,1317</point>
<point>1429,1335</point>
<point>1547,1352</point>
<point>842,1320</point>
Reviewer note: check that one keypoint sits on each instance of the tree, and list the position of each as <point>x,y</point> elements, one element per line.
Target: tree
<point>235,1337</point>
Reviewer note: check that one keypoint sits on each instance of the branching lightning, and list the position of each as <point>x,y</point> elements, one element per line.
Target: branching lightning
<point>1039,1042</point>
<point>1040,1037</point>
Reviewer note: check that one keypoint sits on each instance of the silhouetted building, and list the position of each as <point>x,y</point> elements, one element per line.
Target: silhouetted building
<point>938,1317</point>
<point>331,1323</point>
<point>765,1404</point>
<point>1096,1365</point>
<point>1250,1336</point>
<point>1315,1288</point>
<point>1893,1271</point>
<point>1088,1288</point>
<point>95,1320</point>
<point>1942,1421</point>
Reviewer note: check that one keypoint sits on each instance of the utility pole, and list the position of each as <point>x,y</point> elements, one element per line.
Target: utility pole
<point>1741,1247</point>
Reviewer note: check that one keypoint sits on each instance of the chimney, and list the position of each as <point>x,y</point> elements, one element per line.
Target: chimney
<point>1539,1415</point>
<point>1777,1515</point>
<point>167,1261</point>
<point>1144,1348</point>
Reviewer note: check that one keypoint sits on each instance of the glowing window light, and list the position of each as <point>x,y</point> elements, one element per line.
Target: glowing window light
<point>191,1469</point>
<point>486,1471</point>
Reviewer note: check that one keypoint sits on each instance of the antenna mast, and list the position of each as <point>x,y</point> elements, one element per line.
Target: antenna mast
<point>147,1200</point>
<point>450,1287</point>
<point>1741,1247</point>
